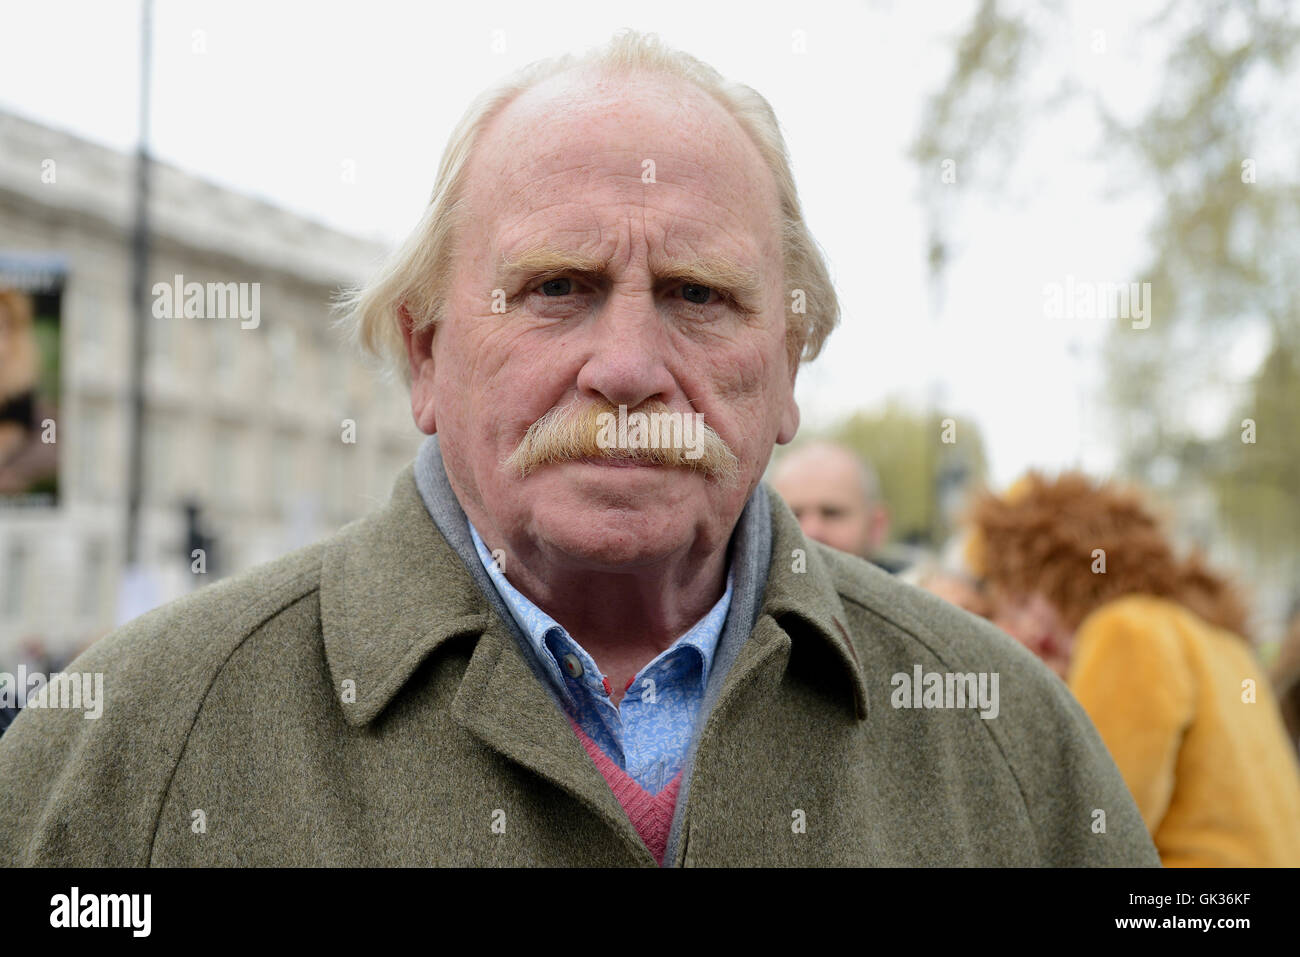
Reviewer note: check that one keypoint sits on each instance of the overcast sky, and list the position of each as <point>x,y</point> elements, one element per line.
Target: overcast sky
<point>273,98</point>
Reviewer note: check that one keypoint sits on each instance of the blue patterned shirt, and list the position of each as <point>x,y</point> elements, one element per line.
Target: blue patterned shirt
<point>649,732</point>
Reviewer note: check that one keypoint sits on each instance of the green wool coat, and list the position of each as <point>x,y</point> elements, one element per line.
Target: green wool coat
<point>357,702</point>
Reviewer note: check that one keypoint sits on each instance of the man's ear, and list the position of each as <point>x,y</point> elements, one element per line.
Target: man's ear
<point>789,421</point>
<point>419,356</point>
<point>790,414</point>
<point>879,526</point>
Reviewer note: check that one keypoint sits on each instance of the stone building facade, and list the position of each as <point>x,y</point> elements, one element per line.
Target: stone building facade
<point>278,432</point>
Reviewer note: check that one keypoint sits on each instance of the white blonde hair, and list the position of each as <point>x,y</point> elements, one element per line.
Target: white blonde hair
<point>416,275</point>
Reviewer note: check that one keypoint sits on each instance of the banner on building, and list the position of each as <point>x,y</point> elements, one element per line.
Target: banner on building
<point>31,324</point>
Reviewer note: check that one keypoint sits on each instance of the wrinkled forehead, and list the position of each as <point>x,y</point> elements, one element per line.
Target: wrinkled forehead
<point>627,134</point>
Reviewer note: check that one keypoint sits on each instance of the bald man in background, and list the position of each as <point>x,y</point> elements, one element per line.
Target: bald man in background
<point>835,495</point>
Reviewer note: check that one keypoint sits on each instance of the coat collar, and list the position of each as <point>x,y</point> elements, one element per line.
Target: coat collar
<point>802,597</point>
<point>393,590</point>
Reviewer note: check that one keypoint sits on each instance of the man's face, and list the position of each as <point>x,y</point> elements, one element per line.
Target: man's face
<point>635,182</point>
<point>826,495</point>
<point>833,518</point>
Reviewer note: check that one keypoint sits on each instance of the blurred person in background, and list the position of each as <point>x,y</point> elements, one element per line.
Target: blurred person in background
<point>948,577</point>
<point>1152,645</point>
<point>34,656</point>
<point>964,591</point>
<point>835,495</point>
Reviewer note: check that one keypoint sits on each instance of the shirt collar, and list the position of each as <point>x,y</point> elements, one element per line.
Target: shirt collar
<point>406,580</point>
<point>545,633</point>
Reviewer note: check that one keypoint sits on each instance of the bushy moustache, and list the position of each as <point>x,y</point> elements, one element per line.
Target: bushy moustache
<point>577,431</point>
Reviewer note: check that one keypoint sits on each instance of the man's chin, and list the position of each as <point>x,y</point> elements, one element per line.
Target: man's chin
<point>611,544</point>
<point>615,516</point>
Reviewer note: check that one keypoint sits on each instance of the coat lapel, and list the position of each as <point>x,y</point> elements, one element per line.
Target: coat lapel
<point>393,591</point>
<point>803,599</point>
<point>800,603</point>
<point>502,703</point>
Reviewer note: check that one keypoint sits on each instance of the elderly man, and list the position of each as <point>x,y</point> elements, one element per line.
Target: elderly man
<point>562,642</point>
<point>835,495</point>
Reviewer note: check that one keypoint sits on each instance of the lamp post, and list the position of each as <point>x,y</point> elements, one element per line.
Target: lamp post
<point>139,313</point>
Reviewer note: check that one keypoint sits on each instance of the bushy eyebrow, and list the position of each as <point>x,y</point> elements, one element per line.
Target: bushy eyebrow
<point>717,272</point>
<point>546,260</point>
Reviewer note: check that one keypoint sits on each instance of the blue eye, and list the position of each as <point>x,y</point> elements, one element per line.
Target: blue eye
<point>693,292</point>
<point>561,286</point>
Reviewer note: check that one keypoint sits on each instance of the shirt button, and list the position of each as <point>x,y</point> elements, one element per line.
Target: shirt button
<point>572,666</point>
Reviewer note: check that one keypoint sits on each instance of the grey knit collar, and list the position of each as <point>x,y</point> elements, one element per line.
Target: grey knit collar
<point>750,555</point>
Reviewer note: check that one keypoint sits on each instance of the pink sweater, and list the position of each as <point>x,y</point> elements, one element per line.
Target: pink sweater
<point>650,814</point>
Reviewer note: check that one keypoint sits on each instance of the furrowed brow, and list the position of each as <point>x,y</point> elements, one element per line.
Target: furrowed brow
<point>740,282</point>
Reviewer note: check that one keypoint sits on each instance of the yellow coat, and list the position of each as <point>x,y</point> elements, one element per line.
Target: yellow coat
<point>1187,712</point>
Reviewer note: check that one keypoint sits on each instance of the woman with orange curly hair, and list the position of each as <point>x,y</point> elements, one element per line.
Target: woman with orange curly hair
<point>1152,646</point>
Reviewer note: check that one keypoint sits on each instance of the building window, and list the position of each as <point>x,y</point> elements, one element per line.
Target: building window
<point>157,460</point>
<point>283,345</point>
<point>90,319</point>
<point>337,368</point>
<point>92,581</point>
<point>160,337</point>
<point>223,490</point>
<point>333,482</point>
<point>15,578</point>
<point>87,437</point>
<point>223,354</point>
<point>284,475</point>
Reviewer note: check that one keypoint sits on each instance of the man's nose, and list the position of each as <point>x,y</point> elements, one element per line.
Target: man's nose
<point>628,350</point>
